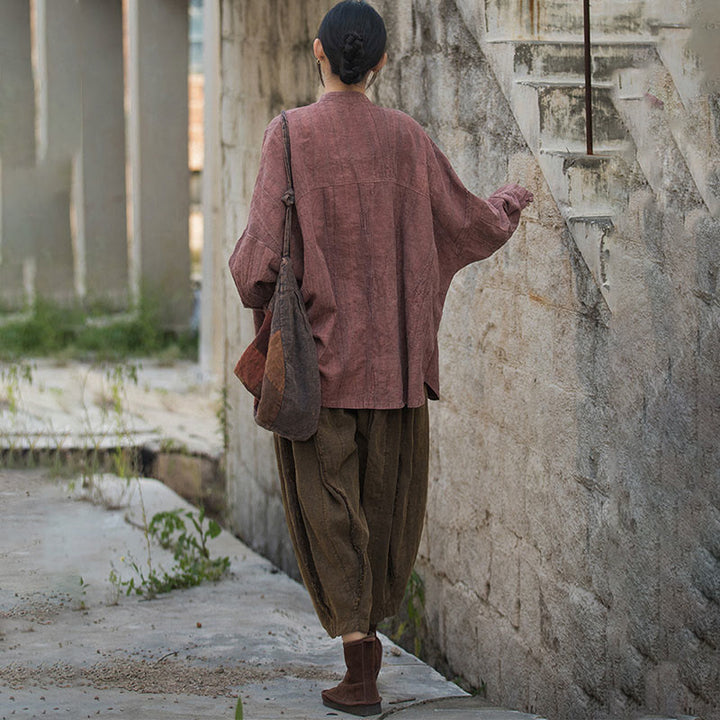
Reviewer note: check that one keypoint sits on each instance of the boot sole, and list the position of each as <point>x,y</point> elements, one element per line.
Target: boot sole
<point>361,710</point>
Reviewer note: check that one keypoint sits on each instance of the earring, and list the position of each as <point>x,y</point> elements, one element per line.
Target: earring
<point>319,67</point>
<point>373,78</point>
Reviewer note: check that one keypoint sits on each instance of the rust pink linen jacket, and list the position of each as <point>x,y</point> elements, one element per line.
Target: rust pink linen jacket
<point>385,223</point>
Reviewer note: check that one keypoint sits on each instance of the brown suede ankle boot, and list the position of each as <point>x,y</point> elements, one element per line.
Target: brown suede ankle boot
<point>357,693</point>
<point>378,654</point>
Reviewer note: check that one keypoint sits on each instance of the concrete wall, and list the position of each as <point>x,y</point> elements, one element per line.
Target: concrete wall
<point>17,150</point>
<point>214,262</point>
<point>63,204</point>
<point>257,82</point>
<point>571,555</point>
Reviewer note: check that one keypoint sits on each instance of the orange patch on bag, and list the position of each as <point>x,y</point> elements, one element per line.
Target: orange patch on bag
<point>274,381</point>
<point>250,368</point>
<point>275,363</point>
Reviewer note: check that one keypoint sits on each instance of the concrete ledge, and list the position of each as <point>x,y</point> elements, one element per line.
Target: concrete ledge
<point>457,708</point>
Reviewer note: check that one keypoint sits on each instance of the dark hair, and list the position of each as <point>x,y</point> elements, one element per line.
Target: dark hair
<point>353,37</point>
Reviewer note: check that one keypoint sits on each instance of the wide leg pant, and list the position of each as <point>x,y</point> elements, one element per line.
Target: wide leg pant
<point>354,497</point>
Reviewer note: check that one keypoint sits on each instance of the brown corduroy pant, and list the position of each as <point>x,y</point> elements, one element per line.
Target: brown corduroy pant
<point>354,497</point>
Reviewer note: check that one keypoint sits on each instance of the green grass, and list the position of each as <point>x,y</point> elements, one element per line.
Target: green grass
<point>75,333</point>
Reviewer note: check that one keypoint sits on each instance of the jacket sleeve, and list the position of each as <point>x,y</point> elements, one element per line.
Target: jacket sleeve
<point>255,261</point>
<point>468,228</point>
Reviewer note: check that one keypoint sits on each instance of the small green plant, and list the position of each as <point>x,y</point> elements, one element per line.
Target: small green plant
<point>114,400</point>
<point>414,607</point>
<point>117,377</point>
<point>170,445</point>
<point>79,603</point>
<point>122,458</point>
<point>124,462</point>
<point>239,709</point>
<point>12,377</point>
<point>116,588</point>
<point>12,448</point>
<point>188,542</point>
<point>463,684</point>
<point>222,415</point>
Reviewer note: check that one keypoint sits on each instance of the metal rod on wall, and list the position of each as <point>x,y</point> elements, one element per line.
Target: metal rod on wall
<point>588,79</point>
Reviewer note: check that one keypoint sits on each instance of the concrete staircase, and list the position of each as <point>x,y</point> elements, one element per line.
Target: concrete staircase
<point>650,115</point>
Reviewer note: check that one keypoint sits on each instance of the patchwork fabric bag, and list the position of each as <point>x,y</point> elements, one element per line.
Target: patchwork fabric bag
<point>280,366</point>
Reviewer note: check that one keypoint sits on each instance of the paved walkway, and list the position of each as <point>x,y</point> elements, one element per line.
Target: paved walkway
<point>71,646</point>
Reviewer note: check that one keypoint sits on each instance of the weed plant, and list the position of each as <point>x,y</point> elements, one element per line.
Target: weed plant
<point>12,447</point>
<point>12,377</point>
<point>406,628</point>
<point>188,542</point>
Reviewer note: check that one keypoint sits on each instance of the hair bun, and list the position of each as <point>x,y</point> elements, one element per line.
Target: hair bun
<point>353,57</point>
<point>352,45</point>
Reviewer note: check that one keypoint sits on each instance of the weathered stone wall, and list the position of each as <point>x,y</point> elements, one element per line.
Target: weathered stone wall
<point>572,547</point>
<point>266,64</point>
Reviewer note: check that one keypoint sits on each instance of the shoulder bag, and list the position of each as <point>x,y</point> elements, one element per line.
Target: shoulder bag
<point>280,366</point>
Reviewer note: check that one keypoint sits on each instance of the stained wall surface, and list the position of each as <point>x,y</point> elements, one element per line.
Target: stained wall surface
<point>571,555</point>
<point>256,82</point>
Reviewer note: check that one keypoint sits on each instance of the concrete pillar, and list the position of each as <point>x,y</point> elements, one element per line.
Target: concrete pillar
<point>99,197</point>
<point>37,214</point>
<point>158,138</point>
<point>17,92</point>
<point>214,262</point>
<point>58,78</point>
<point>17,146</point>
<point>58,85</point>
<point>17,276</point>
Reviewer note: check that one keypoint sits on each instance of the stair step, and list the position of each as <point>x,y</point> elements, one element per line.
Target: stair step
<point>561,83</point>
<point>561,113</point>
<point>601,155</point>
<point>561,60</point>
<point>658,25</point>
<point>578,40</point>
<point>582,183</point>
<point>456,708</point>
<point>517,17</point>
<point>590,233</point>
<point>605,222</point>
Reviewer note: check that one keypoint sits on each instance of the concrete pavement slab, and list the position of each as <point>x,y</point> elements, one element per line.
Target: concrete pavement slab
<point>45,405</point>
<point>71,646</point>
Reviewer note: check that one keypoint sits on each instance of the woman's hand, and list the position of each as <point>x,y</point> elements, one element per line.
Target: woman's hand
<point>516,197</point>
<point>523,195</point>
<point>529,197</point>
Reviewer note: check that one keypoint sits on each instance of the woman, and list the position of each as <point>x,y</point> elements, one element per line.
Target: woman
<point>384,224</point>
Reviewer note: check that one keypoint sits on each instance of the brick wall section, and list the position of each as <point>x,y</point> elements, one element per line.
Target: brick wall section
<point>571,552</point>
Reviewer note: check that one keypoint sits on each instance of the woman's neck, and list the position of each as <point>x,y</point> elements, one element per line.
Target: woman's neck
<point>334,84</point>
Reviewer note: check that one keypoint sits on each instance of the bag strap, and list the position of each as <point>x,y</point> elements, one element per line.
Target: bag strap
<point>289,196</point>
